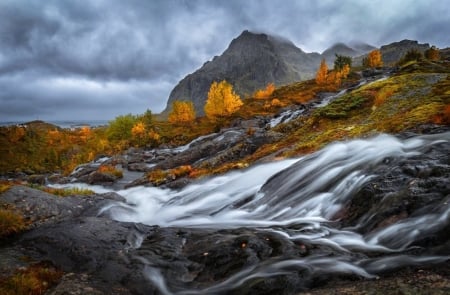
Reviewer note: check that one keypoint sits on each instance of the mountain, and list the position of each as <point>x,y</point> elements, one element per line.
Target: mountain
<point>250,62</point>
<point>343,49</point>
<point>393,52</point>
<point>339,48</point>
<point>362,47</point>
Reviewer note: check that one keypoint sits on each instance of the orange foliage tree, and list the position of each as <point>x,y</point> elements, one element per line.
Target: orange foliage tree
<point>373,59</point>
<point>182,112</point>
<point>345,71</point>
<point>322,73</point>
<point>222,100</point>
<point>142,135</point>
<point>265,93</point>
<point>331,80</point>
<point>138,132</point>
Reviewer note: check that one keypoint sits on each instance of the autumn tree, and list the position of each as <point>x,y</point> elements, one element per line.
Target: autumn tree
<point>432,53</point>
<point>342,60</point>
<point>265,93</point>
<point>222,100</point>
<point>322,73</point>
<point>333,80</point>
<point>373,59</point>
<point>182,112</point>
<point>138,132</point>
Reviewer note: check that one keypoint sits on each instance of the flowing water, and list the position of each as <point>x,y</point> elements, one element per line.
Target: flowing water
<point>297,200</point>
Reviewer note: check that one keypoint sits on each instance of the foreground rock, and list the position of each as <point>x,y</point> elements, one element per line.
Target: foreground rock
<point>40,208</point>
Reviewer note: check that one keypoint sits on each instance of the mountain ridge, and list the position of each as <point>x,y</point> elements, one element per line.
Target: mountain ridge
<point>252,60</point>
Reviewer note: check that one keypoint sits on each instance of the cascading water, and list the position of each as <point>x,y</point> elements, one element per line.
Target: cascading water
<point>298,201</point>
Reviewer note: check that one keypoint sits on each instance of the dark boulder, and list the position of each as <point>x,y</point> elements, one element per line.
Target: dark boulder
<point>101,178</point>
<point>37,179</point>
<point>40,207</point>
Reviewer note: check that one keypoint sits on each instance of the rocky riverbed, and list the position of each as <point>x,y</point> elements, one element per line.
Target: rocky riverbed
<point>355,216</point>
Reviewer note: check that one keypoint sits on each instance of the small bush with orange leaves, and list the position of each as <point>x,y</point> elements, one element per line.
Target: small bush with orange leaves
<point>265,93</point>
<point>109,169</point>
<point>33,280</point>
<point>159,177</point>
<point>275,103</point>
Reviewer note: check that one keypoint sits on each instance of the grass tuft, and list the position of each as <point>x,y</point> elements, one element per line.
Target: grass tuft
<point>11,222</point>
<point>63,192</point>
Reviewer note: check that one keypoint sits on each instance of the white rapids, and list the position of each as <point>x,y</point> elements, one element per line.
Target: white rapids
<point>298,204</point>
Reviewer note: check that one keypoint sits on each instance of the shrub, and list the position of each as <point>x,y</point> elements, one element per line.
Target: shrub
<point>111,170</point>
<point>265,93</point>
<point>411,55</point>
<point>10,222</point>
<point>33,280</point>
<point>63,192</point>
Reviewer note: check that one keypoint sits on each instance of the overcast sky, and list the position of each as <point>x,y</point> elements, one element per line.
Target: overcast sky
<point>97,59</point>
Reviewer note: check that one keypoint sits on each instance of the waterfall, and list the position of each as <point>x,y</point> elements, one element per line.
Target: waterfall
<point>298,200</point>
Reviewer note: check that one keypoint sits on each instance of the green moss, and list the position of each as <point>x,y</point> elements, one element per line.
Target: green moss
<point>342,106</point>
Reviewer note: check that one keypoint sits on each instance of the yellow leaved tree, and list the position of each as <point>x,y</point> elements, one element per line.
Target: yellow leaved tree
<point>322,73</point>
<point>183,112</point>
<point>222,100</point>
<point>373,59</point>
<point>331,80</point>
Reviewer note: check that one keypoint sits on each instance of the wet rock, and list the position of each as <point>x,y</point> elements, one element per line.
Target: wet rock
<point>405,188</point>
<point>37,179</point>
<point>40,207</point>
<point>98,247</point>
<point>57,178</point>
<point>101,178</point>
<point>139,167</point>
<point>78,284</point>
<point>104,253</point>
<point>83,171</point>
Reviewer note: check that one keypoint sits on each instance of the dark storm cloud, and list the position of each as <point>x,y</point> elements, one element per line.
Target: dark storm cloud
<point>101,58</point>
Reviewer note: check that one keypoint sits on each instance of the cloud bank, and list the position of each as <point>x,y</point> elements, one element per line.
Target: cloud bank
<point>102,58</point>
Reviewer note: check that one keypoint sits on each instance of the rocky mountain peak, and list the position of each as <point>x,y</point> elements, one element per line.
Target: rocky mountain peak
<point>250,62</point>
<point>393,52</point>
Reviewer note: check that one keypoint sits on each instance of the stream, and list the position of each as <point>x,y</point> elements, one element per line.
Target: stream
<point>296,202</point>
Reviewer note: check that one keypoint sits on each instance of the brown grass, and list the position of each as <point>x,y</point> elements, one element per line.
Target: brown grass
<point>33,280</point>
